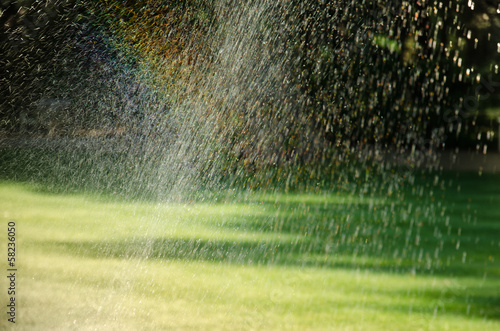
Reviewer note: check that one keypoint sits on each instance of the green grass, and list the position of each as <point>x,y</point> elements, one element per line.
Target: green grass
<point>427,258</point>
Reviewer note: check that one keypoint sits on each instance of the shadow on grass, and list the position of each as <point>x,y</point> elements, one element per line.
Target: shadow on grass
<point>131,170</point>
<point>121,171</point>
<point>427,227</point>
<point>478,300</point>
<point>412,232</point>
<point>67,170</point>
<point>300,251</point>
<point>447,229</point>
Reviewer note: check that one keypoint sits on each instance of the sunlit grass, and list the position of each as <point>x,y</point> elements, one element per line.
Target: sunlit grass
<point>268,261</point>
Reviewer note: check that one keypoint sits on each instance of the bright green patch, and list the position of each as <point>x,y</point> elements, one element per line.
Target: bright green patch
<point>427,259</point>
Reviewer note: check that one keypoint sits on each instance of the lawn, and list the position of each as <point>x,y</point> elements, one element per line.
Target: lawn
<point>426,258</point>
